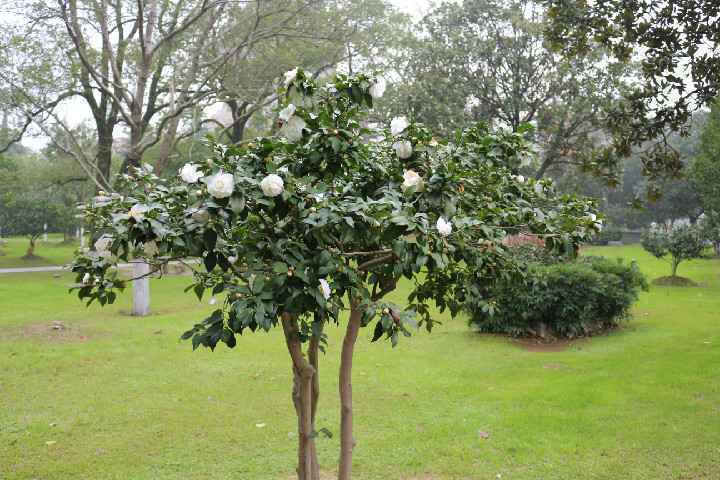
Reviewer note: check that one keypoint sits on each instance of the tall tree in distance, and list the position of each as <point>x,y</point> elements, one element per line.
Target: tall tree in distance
<point>147,71</point>
<point>676,44</point>
<point>487,60</point>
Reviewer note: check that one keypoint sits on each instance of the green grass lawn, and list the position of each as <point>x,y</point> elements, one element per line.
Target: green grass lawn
<point>117,397</point>
<point>52,252</point>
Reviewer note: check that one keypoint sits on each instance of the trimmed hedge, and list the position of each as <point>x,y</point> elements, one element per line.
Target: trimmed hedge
<point>564,300</point>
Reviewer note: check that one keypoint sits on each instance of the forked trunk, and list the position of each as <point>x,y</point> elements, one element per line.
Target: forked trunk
<point>30,252</point>
<point>303,373</point>
<point>675,264</point>
<point>347,441</point>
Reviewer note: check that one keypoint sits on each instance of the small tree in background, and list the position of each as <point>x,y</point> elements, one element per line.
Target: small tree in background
<point>28,216</point>
<point>680,242</point>
<point>325,218</point>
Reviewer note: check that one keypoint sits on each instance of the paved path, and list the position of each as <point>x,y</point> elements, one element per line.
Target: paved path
<point>60,268</point>
<point>49,268</point>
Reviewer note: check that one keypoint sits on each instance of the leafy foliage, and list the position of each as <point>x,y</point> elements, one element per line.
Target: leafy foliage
<point>681,242</point>
<point>563,300</point>
<point>342,216</point>
<point>672,38</point>
<point>487,60</point>
<point>611,233</point>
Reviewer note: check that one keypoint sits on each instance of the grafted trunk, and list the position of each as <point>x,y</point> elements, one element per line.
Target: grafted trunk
<point>303,373</point>
<point>347,440</point>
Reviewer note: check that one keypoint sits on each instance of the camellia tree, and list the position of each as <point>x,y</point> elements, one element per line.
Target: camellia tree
<point>681,242</point>
<point>324,218</point>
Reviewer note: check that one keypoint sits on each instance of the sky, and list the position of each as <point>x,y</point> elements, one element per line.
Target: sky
<point>416,8</point>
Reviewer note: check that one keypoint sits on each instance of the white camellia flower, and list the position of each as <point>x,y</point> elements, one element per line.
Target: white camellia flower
<point>232,259</point>
<point>212,301</point>
<point>86,279</point>
<point>444,227</point>
<point>398,125</point>
<point>403,149</point>
<point>220,185</point>
<point>653,225</point>
<point>287,112</point>
<point>150,248</point>
<point>138,211</point>
<point>325,288</point>
<point>189,173</point>
<point>103,243</point>
<point>292,130</point>
<point>592,217</point>
<point>272,185</point>
<point>519,178</point>
<point>411,179</point>
<point>289,76</point>
<point>377,90</point>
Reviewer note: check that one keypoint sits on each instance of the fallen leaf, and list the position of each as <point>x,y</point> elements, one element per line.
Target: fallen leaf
<point>484,435</point>
<point>260,425</point>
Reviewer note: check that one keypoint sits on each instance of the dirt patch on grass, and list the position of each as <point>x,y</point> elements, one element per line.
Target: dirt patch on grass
<point>535,345</point>
<point>47,332</point>
<point>671,281</point>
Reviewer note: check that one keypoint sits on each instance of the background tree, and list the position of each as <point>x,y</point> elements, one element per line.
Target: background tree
<point>148,70</point>
<point>487,60</point>
<point>676,45</point>
<point>681,242</point>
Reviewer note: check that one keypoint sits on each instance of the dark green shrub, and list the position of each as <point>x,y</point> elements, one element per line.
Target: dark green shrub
<point>610,233</point>
<point>565,300</point>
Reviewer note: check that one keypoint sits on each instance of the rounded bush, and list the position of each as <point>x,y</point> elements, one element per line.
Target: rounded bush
<point>563,300</point>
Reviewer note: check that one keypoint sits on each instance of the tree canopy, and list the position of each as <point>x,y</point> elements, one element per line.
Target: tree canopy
<point>329,214</point>
<point>676,44</point>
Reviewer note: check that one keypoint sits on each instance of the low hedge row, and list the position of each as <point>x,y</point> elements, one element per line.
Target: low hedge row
<point>562,300</point>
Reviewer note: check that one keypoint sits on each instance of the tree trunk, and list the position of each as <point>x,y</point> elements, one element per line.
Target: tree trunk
<point>103,157</point>
<point>303,373</point>
<point>30,252</point>
<point>347,441</point>
<point>313,351</point>
<point>675,264</point>
<point>141,289</point>
<point>166,145</point>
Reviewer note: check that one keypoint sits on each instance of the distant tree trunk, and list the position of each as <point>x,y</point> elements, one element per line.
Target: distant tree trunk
<point>347,440</point>
<point>166,145</point>
<point>30,253</point>
<point>103,157</point>
<point>675,263</point>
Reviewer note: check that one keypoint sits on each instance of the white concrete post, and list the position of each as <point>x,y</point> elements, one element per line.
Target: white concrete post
<point>141,289</point>
<point>44,232</point>
<point>82,237</point>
